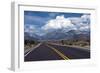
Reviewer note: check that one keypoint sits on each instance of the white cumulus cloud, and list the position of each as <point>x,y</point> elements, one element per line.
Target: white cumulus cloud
<point>59,23</point>
<point>29,28</point>
<point>82,22</point>
<point>85,16</point>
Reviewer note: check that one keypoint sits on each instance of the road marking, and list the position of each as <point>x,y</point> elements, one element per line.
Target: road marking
<point>59,53</point>
<point>32,49</point>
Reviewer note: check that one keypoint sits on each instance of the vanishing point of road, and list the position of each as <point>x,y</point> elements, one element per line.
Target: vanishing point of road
<point>46,52</point>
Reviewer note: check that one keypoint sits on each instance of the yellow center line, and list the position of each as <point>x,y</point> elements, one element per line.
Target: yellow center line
<point>59,53</point>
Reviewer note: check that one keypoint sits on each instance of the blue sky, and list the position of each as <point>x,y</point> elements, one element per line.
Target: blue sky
<point>40,18</point>
<point>37,21</point>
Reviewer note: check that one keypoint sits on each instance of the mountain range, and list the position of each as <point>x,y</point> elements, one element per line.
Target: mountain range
<point>58,35</point>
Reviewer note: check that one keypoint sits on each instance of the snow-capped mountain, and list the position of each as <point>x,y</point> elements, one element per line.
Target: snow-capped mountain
<point>59,34</point>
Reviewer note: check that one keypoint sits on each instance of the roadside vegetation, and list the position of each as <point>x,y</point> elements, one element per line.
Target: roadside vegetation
<point>28,44</point>
<point>80,43</point>
<point>85,43</point>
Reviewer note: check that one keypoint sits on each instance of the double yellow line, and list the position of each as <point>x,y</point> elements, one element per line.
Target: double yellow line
<point>59,53</point>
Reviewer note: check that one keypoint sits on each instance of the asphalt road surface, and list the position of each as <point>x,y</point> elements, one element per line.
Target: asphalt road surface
<point>46,52</point>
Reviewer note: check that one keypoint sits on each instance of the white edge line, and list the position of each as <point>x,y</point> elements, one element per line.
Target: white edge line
<point>32,49</point>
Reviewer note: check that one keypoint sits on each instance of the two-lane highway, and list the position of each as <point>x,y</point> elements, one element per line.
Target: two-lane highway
<point>42,52</point>
<point>55,52</point>
<point>73,53</point>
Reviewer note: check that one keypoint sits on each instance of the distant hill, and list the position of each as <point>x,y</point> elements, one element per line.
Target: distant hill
<point>59,34</point>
